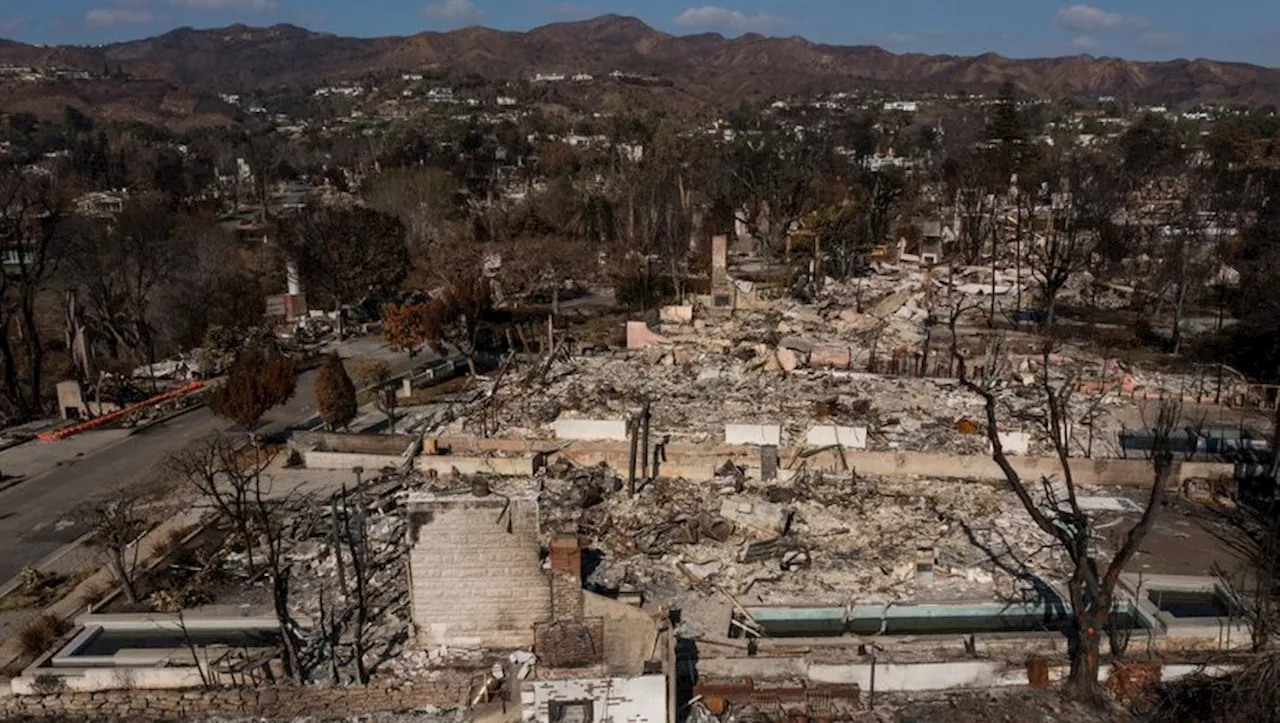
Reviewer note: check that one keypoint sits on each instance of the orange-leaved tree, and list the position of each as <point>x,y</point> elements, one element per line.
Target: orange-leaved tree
<point>460,315</point>
<point>408,326</point>
<point>335,393</point>
<point>257,382</point>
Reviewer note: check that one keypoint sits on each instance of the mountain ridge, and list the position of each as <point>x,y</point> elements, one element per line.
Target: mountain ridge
<point>717,69</point>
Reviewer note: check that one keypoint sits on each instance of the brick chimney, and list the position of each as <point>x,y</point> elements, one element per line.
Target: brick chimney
<point>566,578</point>
<point>719,259</point>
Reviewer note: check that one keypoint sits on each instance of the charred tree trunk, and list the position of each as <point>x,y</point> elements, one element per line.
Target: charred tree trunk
<point>12,382</point>
<point>120,568</point>
<point>34,354</point>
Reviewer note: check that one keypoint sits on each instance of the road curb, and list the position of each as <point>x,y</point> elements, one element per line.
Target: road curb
<point>12,584</point>
<point>166,418</point>
<point>16,442</point>
<point>7,485</point>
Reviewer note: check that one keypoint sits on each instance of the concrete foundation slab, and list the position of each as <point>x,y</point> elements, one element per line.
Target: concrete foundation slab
<point>829,435</point>
<point>1015,442</point>
<point>614,429</point>
<point>756,434</point>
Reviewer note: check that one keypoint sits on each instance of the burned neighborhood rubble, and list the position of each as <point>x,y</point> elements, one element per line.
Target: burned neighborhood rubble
<point>843,541</point>
<point>734,515</point>
<point>772,500</point>
<point>866,354</point>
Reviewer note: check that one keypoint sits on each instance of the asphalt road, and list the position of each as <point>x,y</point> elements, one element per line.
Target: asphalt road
<point>47,510</point>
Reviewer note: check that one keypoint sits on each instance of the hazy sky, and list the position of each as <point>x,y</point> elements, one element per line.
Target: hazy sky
<point>1246,30</point>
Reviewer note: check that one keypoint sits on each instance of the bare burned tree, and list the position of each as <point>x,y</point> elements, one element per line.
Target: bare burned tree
<point>1255,538</point>
<point>366,558</point>
<point>344,254</point>
<point>356,536</point>
<point>216,471</point>
<point>376,373</point>
<point>33,210</point>
<point>121,266</point>
<point>275,529</point>
<point>231,473</point>
<point>1079,207</point>
<point>1252,531</point>
<point>973,184</point>
<point>767,175</point>
<point>1056,510</point>
<point>117,526</point>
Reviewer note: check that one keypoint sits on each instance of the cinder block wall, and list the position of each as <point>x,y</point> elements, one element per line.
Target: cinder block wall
<point>474,571</point>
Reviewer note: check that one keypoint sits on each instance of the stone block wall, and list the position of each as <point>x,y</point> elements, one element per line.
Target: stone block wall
<point>446,689</point>
<point>474,571</point>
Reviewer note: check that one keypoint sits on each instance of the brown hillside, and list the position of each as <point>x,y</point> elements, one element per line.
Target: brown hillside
<point>708,66</point>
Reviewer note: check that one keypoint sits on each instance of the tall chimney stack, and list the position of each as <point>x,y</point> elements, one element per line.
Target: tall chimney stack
<point>566,578</point>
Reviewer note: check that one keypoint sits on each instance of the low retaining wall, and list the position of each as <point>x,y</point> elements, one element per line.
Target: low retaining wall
<point>316,459</point>
<point>502,466</point>
<point>689,459</point>
<point>340,451</point>
<point>386,444</point>
<point>906,677</point>
<point>519,457</point>
<point>447,689</point>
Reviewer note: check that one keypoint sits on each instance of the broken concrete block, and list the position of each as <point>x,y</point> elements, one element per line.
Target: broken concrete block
<point>830,435</point>
<point>640,336</point>
<point>804,315</point>
<point>830,357</point>
<point>856,322</point>
<point>795,344</point>
<point>615,429</point>
<point>704,570</point>
<point>976,574</point>
<point>676,315</point>
<point>892,304</point>
<point>757,434</point>
<point>1015,442</point>
<point>788,361</point>
<point>758,515</point>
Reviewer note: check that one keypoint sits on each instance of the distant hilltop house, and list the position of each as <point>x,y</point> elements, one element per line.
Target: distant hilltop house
<point>347,90</point>
<point>548,78</point>
<point>904,106</point>
<point>101,203</point>
<point>441,94</point>
<point>20,72</point>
